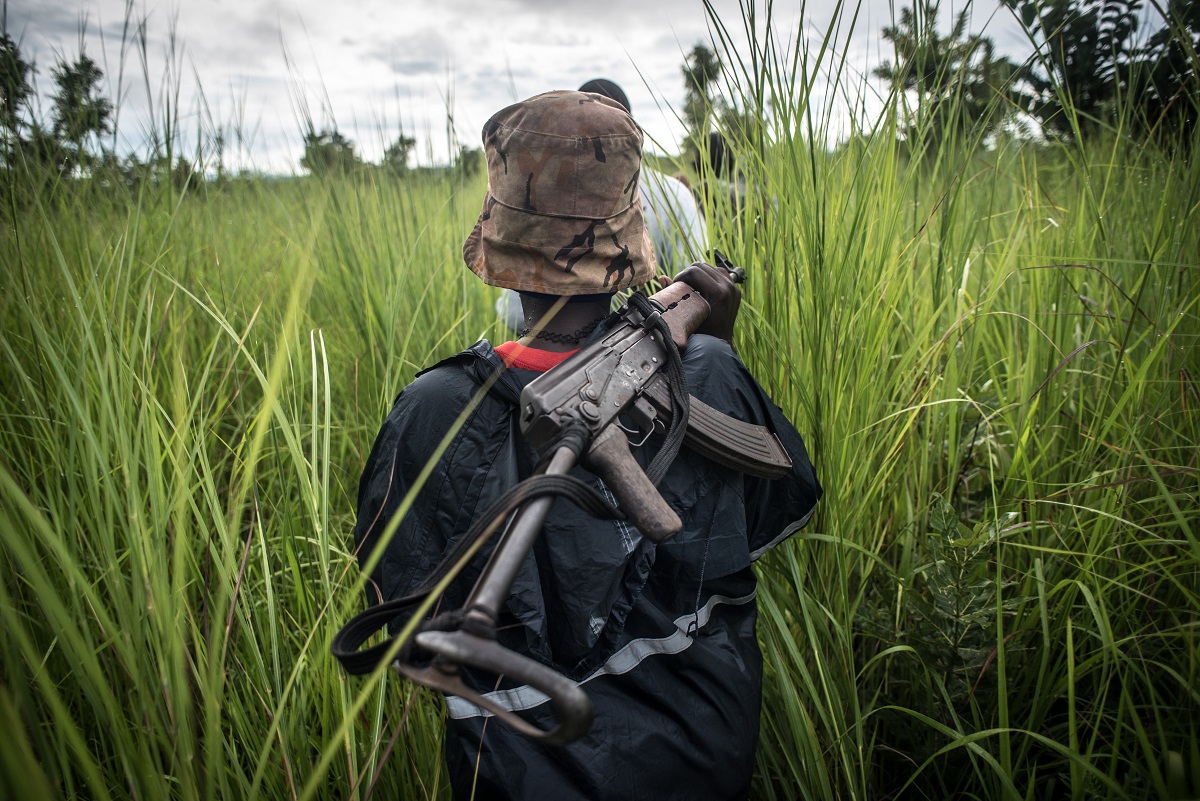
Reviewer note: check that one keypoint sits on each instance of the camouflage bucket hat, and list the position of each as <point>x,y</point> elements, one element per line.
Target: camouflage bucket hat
<point>562,214</point>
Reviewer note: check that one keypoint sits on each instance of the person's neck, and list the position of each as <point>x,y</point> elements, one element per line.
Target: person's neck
<point>571,322</point>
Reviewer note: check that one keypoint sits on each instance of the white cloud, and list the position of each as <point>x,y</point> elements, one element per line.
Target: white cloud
<point>378,65</point>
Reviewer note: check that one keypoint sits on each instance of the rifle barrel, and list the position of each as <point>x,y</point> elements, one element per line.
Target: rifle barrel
<point>491,590</point>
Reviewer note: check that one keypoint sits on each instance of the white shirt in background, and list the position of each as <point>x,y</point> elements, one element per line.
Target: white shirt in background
<point>673,221</point>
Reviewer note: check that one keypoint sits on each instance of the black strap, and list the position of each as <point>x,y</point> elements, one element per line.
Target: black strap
<point>676,383</point>
<point>347,642</point>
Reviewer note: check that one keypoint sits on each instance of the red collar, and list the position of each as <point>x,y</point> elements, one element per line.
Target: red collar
<point>523,357</point>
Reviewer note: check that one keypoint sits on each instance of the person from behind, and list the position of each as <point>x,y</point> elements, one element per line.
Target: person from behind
<point>660,635</point>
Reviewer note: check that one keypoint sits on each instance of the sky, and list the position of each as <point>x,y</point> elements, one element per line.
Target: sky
<point>259,70</point>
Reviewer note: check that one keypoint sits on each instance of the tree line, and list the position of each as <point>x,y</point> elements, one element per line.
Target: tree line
<point>329,152</point>
<point>1092,70</point>
<point>70,141</point>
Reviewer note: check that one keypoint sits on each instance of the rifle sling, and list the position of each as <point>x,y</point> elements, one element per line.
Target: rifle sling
<point>347,642</point>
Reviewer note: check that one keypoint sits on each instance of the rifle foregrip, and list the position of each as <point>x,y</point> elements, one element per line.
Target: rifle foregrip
<point>686,310</point>
<point>609,458</point>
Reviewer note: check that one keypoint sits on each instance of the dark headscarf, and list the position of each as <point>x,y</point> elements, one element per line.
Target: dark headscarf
<point>603,86</point>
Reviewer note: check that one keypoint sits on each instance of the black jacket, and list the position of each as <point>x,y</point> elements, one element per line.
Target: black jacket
<point>676,712</point>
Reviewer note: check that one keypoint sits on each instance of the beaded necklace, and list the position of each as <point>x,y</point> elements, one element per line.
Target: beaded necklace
<point>562,339</point>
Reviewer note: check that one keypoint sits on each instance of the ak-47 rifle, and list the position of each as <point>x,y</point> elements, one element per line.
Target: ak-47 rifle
<point>627,382</point>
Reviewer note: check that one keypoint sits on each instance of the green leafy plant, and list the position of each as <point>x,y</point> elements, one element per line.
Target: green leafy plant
<point>949,614</point>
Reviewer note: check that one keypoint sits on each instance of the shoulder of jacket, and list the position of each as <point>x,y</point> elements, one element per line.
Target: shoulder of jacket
<point>465,372</point>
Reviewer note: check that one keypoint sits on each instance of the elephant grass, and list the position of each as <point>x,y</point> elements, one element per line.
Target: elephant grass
<point>991,350</point>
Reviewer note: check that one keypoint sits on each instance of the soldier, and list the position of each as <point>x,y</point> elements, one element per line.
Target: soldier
<point>660,636</point>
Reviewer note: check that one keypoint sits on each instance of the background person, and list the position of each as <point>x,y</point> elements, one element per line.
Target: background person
<point>672,217</point>
<point>723,176</point>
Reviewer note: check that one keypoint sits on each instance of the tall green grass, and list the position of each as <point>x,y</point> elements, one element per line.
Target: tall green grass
<point>992,352</point>
<point>194,383</point>
<point>1012,329</point>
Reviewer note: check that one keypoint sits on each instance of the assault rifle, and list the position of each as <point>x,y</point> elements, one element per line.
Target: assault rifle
<point>628,383</point>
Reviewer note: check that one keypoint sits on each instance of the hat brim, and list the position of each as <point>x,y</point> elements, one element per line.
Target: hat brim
<point>559,255</point>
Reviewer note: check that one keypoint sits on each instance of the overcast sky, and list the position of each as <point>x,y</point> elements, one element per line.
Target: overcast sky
<point>436,68</point>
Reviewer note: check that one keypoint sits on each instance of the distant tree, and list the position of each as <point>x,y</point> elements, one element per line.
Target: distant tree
<point>185,176</point>
<point>469,160</point>
<point>42,148</point>
<point>957,79</point>
<point>180,175</point>
<point>1077,72</point>
<point>113,172</point>
<point>1165,81</point>
<point>328,153</point>
<point>14,83</point>
<point>218,143</point>
<point>81,113</point>
<point>738,124</point>
<point>397,153</point>
<point>701,71</point>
